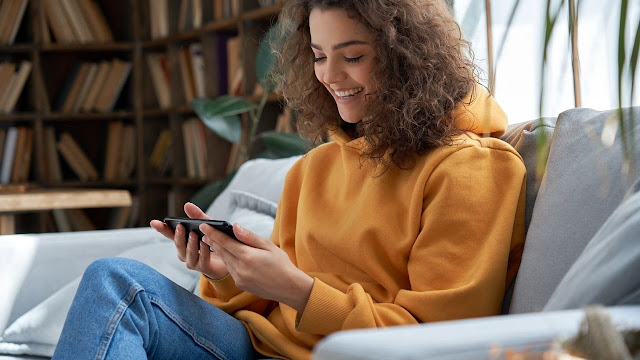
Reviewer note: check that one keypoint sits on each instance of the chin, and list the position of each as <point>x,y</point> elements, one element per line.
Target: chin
<point>351,118</point>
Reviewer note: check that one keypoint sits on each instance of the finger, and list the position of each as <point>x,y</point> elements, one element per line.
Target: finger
<point>251,239</point>
<point>179,242</point>
<point>162,228</point>
<point>230,244</point>
<point>195,212</point>
<point>205,255</point>
<point>226,256</point>
<point>192,251</point>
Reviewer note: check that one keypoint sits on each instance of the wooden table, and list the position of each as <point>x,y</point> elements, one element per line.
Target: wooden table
<point>51,199</point>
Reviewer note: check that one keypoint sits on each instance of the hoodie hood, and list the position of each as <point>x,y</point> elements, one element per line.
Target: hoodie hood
<point>478,112</point>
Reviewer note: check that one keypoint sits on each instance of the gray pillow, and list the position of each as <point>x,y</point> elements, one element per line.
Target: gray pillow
<point>607,270</point>
<point>523,137</point>
<point>261,177</point>
<point>581,187</point>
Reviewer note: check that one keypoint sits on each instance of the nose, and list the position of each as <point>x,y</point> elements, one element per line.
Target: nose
<point>333,72</point>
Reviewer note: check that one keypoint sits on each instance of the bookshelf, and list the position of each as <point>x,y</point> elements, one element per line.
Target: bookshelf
<point>118,134</point>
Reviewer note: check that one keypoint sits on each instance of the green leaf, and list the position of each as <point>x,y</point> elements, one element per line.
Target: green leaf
<point>228,127</point>
<point>221,106</point>
<point>266,58</point>
<point>205,196</point>
<point>221,115</point>
<point>284,145</point>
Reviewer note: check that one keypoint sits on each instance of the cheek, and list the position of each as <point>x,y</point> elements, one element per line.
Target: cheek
<point>319,73</point>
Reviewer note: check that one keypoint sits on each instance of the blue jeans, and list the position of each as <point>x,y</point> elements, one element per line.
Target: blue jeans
<point>126,310</point>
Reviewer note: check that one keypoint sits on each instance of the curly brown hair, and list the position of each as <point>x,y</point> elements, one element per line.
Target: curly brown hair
<point>423,68</point>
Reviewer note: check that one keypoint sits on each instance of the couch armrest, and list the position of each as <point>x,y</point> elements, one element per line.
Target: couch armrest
<point>463,339</point>
<point>34,266</point>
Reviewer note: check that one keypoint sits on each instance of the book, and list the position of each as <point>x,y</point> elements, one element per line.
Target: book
<point>197,66</point>
<point>3,135</point>
<point>54,170</point>
<point>78,23</point>
<point>74,90</point>
<point>22,164</point>
<point>57,19</point>
<point>92,96</point>
<point>70,158</point>
<point>9,33</point>
<point>234,70</point>
<point>8,155</point>
<point>189,152</point>
<point>87,83</point>
<point>18,158</point>
<point>45,35</point>
<point>159,80</point>
<point>17,85</point>
<point>7,69</point>
<point>186,72</point>
<point>116,79</point>
<point>76,158</point>
<point>119,218</point>
<point>114,149</point>
<point>160,151</point>
<point>96,20</point>
<point>61,219</point>
<point>5,10</point>
<point>128,162</point>
<point>79,220</point>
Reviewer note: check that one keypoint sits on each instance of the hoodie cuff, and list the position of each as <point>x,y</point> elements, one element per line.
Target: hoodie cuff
<point>326,310</point>
<point>224,288</point>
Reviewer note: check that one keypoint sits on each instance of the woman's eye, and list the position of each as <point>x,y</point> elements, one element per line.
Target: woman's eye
<point>353,60</point>
<point>318,59</point>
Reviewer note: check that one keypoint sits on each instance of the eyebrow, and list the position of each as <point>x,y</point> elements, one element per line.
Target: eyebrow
<point>342,45</point>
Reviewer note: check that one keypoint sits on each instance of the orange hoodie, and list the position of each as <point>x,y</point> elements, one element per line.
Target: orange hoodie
<point>438,242</point>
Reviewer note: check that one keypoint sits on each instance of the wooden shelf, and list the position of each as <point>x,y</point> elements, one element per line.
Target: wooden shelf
<point>16,49</point>
<point>26,116</point>
<point>90,116</point>
<point>96,184</point>
<point>93,47</point>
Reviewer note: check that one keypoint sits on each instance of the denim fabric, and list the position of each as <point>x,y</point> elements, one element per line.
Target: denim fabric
<point>124,309</point>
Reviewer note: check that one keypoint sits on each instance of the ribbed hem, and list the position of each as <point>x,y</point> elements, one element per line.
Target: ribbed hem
<point>224,288</point>
<point>325,311</point>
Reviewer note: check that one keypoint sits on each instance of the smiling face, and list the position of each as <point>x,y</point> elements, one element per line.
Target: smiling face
<point>343,56</point>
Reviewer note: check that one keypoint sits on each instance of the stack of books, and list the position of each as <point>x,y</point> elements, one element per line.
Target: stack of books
<point>74,21</point>
<point>94,86</point>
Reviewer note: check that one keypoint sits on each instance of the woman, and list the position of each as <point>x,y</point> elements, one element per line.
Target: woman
<point>408,216</point>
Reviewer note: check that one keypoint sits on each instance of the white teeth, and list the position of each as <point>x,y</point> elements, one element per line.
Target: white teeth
<point>348,92</point>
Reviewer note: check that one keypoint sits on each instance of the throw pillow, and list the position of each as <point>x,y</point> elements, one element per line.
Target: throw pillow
<point>261,177</point>
<point>582,185</point>
<point>37,331</point>
<point>524,138</point>
<point>607,271</point>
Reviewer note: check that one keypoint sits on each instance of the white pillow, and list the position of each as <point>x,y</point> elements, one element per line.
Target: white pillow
<point>37,331</point>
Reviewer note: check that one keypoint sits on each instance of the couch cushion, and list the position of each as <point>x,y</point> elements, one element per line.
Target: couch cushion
<point>582,185</point>
<point>607,270</point>
<point>524,138</point>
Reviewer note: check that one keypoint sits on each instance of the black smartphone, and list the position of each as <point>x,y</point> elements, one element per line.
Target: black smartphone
<point>193,224</point>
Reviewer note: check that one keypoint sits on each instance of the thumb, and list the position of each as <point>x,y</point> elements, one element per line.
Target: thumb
<point>194,212</point>
<point>250,238</point>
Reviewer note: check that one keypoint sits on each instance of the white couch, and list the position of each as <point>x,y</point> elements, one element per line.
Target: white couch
<point>577,253</point>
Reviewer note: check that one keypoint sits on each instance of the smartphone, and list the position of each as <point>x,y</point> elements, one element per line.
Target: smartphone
<point>193,224</point>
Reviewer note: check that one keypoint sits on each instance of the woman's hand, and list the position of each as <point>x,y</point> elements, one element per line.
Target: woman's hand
<point>260,267</point>
<point>203,260</point>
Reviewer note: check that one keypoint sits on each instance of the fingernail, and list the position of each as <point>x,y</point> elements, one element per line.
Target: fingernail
<point>240,229</point>
<point>202,227</point>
